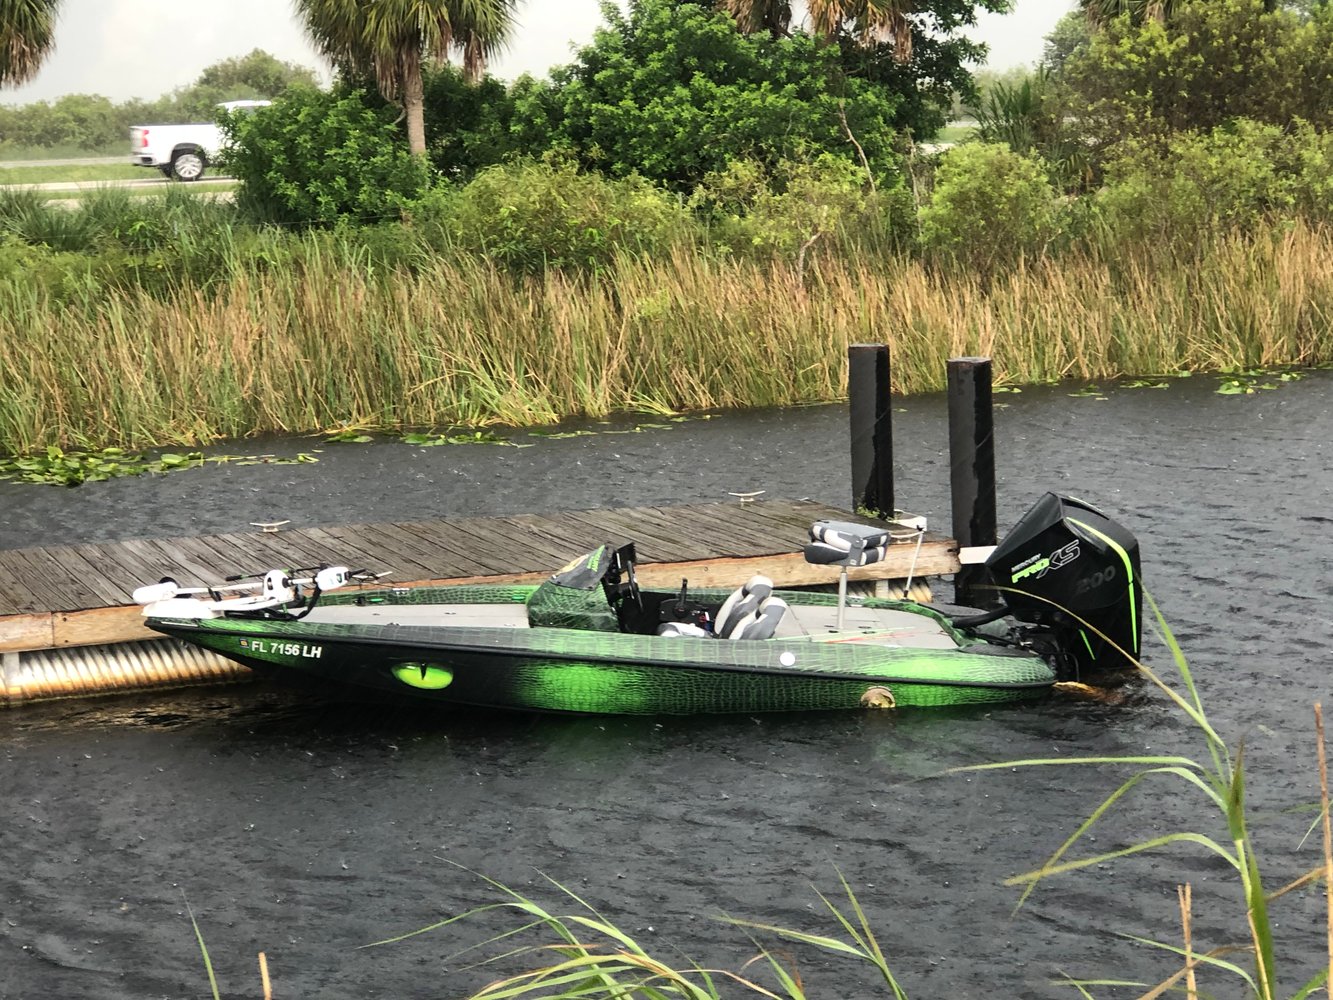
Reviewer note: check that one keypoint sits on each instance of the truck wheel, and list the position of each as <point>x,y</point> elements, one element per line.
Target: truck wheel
<point>188,165</point>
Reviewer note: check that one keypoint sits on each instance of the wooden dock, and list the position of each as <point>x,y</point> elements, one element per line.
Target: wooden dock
<point>79,595</point>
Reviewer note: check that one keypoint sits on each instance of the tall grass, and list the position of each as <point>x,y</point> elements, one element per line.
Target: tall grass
<point>582,954</point>
<point>1218,782</point>
<point>270,332</point>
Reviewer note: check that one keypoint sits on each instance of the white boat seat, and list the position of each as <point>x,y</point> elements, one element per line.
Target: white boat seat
<point>842,543</point>
<point>742,603</point>
<point>760,623</point>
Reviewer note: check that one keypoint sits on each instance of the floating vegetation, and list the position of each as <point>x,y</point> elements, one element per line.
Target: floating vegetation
<point>557,435</point>
<point>1088,392</point>
<point>350,436</point>
<point>57,467</point>
<point>1247,381</point>
<point>1145,383</point>
<point>432,440</point>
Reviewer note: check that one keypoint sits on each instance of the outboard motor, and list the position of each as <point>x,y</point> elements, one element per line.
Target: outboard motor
<point>1065,564</point>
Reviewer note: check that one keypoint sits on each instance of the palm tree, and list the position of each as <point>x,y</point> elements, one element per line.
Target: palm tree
<point>393,39</point>
<point>1098,12</point>
<point>773,16</point>
<point>867,21</point>
<point>27,35</point>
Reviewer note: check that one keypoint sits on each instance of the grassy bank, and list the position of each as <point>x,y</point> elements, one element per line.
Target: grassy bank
<point>72,172</point>
<point>332,338</point>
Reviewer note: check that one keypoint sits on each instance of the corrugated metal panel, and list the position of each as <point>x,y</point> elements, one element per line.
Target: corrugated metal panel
<point>76,671</point>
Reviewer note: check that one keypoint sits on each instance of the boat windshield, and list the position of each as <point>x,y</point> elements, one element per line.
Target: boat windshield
<point>571,598</point>
<point>585,572</point>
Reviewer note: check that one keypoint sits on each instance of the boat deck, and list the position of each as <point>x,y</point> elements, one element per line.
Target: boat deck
<point>77,595</point>
<point>884,627</point>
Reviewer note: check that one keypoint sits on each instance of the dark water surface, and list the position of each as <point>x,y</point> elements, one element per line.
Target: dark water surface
<point>305,827</point>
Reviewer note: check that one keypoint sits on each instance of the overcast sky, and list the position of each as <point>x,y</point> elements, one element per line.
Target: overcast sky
<point>146,48</point>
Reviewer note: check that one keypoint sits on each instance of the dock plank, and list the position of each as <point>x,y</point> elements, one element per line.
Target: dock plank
<point>51,583</point>
<point>528,558</point>
<point>15,597</point>
<point>444,536</point>
<point>91,572</point>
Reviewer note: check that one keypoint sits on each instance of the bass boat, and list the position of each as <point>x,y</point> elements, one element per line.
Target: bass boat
<point>589,639</point>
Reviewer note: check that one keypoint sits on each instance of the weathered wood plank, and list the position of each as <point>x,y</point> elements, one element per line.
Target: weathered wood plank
<point>15,597</point>
<point>652,544</point>
<point>407,552</point>
<point>93,574</point>
<point>53,584</point>
<point>517,558</point>
<point>444,535</point>
<point>29,631</point>
<point>573,536</point>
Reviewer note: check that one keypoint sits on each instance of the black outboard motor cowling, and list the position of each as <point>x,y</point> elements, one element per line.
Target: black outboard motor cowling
<point>1065,561</point>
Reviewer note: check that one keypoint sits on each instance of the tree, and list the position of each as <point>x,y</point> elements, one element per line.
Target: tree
<point>392,40</point>
<point>866,21</point>
<point>1070,34</point>
<point>319,157</point>
<point>674,92</point>
<point>470,124</point>
<point>1139,12</point>
<point>262,74</point>
<point>1216,61</point>
<point>937,69</point>
<point>773,16</point>
<point>27,35</point>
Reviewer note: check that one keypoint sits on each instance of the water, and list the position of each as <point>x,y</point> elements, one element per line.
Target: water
<point>306,827</point>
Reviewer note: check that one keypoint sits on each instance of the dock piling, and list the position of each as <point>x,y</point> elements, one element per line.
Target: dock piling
<point>870,415</point>
<point>972,470</point>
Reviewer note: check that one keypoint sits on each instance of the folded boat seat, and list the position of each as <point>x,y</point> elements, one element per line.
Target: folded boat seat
<point>751,612</point>
<point>842,543</point>
<point>759,624</point>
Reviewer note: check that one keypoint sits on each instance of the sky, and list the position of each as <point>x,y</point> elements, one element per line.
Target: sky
<point>123,49</point>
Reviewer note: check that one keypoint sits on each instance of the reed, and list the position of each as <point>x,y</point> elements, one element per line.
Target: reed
<point>1218,781</point>
<point>249,333</point>
<point>582,954</point>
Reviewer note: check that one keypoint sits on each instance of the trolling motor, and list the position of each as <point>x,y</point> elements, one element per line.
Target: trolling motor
<point>269,594</point>
<point>1073,571</point>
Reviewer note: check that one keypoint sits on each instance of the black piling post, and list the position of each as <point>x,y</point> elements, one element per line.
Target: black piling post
<point>870,414</point>
<point>972,470</point>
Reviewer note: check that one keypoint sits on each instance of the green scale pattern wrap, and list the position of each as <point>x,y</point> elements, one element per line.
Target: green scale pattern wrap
<point>565,669</point>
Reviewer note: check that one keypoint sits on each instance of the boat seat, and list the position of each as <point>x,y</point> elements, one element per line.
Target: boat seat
<point>743,603</point>
<point>760,623</point>
<point>842,543</point>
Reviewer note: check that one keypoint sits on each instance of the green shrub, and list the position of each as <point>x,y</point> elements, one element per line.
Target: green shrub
<point>26,216</point>
<point>1232,178</point>
<point>528,216</point>
<point>673,91</point>
<point>989,206</point>
<point>754,212</point>
<point>1313,164</point>
<point>1209,63</point>
<point>315,157</point>
<point>33,278</point>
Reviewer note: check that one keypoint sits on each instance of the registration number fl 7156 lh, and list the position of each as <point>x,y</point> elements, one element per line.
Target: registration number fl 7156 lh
<point>282,648</point>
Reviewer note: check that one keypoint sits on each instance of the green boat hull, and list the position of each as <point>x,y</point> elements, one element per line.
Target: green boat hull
<point>567,664</point>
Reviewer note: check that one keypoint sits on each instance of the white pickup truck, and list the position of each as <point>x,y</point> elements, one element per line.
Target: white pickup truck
<point>181,151</point>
